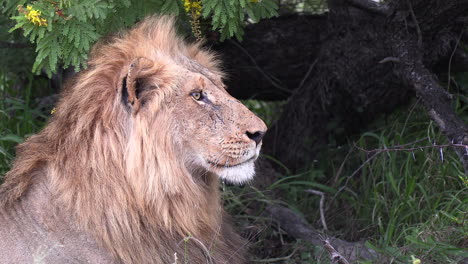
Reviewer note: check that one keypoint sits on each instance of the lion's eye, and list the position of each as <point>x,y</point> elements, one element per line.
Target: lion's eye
<point>197,96</point>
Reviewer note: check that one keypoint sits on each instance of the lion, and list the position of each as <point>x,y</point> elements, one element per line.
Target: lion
<point>128,168</point>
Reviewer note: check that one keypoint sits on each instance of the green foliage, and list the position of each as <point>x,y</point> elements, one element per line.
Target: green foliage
<point>63,31</point>
<point>315,6</point>
<point>20,116</point>
<point>304,6</point>
<point>19,60</point>
<point>228,16</point>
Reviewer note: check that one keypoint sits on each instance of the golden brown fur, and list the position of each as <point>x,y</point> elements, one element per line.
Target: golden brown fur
<point>119,160</point>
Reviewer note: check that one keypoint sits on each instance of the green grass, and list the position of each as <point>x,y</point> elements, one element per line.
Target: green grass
<point>409,202</point>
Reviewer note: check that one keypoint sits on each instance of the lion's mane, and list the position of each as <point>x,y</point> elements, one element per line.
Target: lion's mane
<point>135,199</point>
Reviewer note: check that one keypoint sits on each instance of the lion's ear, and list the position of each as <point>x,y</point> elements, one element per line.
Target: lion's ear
<point>134,82</point>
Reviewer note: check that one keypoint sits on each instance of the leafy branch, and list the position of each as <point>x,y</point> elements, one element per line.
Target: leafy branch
<point>63,31</point>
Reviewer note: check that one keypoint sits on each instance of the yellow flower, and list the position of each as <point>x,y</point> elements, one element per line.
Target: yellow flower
<point>53,110</point>
<point>187,5</point>
<point>34,16</point>
<point>193,6</point>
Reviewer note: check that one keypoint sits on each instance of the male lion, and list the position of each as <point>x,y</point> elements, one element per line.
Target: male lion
<point>128,168</point>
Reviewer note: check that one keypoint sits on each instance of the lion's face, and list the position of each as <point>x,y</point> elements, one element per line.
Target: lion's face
<point>210,131</point>
<point>221,134</point>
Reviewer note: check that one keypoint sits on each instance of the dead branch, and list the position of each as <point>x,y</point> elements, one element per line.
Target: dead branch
<point>335,256</point>
<point>270,260</point>
<point>412,149</point>
<point>298,228</point>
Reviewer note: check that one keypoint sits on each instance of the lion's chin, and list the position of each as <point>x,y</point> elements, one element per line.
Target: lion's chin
<point>239,174</point>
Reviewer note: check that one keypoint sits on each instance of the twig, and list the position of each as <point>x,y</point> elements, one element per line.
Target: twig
<point>322,202</point>
<point>209,258</point>
<point>401,148</point>
<point>307,73</point>
<point>243,245</point>
<point>273,82</point>
<point>409,115</point>
<point>451,57</point>
<point>349,178</point>
<point>389,59</point>
<point>418,29</point>
<point>276,259</point>
<point>340,169</point>
<point>335,256</point>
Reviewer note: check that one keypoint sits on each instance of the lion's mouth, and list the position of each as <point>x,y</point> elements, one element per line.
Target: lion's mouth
<point>227,165</point>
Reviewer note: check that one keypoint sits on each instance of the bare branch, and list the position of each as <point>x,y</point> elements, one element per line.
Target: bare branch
<point>451,58</point>
<point>402,148</point>
<point>267,76</point>
<point>416,23</point>
<point>371,6</point>
<point>335,256</point>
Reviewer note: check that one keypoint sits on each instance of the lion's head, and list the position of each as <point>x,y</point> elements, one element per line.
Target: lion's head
<point>137,145</point>
<point>209,129</point>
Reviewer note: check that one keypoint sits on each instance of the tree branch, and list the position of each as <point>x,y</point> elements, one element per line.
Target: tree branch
<point>438,105</point>
<point>371,6</point>
<point>434,97</point>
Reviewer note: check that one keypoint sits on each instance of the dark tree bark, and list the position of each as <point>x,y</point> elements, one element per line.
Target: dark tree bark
<point>342,69</point>
<point>274,56</point>
<point>373,59</point>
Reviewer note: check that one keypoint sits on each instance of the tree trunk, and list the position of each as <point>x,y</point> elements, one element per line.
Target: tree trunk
<point>274,56</point>
<point>374,58</point>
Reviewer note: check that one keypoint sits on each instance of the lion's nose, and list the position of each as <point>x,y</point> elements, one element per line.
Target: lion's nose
<point>256,136</point>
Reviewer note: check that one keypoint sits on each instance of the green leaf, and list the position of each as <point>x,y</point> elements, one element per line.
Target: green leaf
<point>170,7</point>
<point>11,138</point>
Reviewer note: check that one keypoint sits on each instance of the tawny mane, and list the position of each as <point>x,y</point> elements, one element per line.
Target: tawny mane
<point>119,181</point>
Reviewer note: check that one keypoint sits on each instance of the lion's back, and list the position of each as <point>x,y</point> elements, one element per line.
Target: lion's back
<point>28,236</point>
